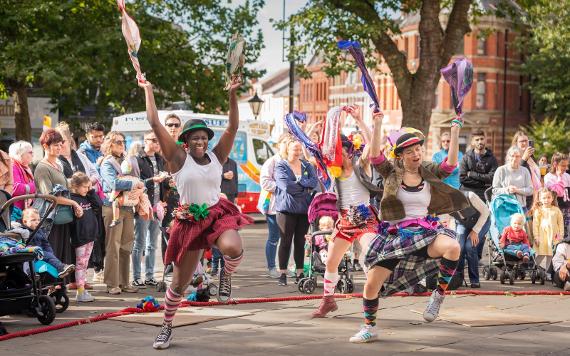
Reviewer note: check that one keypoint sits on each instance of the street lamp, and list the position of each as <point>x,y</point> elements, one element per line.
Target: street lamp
<point>255,104</point>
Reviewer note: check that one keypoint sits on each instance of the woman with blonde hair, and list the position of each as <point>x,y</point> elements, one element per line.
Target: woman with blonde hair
<point>526,146</point>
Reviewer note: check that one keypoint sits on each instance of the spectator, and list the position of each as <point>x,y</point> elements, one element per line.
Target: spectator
<point>558,181</point>
<point>512,178</point>
<point>151,166</point>
<point>119,239</point>
<point>48,173</point>
<point>438,157</point>
<point>266,203</point>
<point>294,178</point>
<point>22,155</point>
<point>173,125</point>
<point>6,173</point>
<point>477,167</point>
<point>91,148</point>
<point>521,141</point>
<point>561,265</point>
<point>543,165</point>
<point>472,224</point>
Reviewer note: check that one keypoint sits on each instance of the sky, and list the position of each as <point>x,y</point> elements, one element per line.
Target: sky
<point>271,55</point>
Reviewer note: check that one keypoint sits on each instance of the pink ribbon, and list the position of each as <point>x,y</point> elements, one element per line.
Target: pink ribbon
<point>133,39</point>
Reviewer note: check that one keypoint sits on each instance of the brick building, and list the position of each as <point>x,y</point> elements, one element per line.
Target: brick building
<point>483,107</point>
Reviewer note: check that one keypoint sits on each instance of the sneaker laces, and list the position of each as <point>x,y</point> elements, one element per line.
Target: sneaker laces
<point>435,303</point>
<point>225,288</point>
<point>165,333</point>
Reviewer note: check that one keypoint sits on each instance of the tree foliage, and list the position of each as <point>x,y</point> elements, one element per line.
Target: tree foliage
<point>376,24</point>
<point>547,59</point>
<point>550,136</point>
<point>73,51</point>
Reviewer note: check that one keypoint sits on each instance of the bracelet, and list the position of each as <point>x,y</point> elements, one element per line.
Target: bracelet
<point>458,121</point>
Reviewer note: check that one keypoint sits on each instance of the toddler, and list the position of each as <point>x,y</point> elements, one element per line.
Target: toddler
<point>84,230</point>
<point>31,220</point>
<point>547,226</point>
<point>514,240</point>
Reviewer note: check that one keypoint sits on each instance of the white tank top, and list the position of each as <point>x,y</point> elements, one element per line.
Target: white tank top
<point>352,192</point>
<point>199,184</point>
<point>415,203</point>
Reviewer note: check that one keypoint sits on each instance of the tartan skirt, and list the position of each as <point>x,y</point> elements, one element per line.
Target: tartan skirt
<point>345,230</point>
<point>189,235</point>
<point>403,244</point>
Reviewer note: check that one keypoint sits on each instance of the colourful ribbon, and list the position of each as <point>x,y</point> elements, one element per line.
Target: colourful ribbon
<point>459,76</point>
<point>235,59</point>
<point>199,212</point>
<point>132,37</point>
<point>355,49</point>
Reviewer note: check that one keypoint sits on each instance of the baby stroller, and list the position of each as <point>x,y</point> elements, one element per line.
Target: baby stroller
<point>20,292</point>
<point>502,207</point>
<point>323,204</point>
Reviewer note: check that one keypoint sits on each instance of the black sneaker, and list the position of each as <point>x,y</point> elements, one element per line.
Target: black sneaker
<point>299,277</point>
<point>475,285</point>
<point>151,282</point>
<point>139,283</point>
<point>282,280</point>
<point>225,288</point>
<point>357,266</point>
<point>163,339</point>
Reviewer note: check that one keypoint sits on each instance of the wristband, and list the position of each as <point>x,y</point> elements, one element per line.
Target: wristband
<point>458,121</point>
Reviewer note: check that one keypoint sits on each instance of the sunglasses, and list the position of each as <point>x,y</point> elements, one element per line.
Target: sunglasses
<point>173,124</point>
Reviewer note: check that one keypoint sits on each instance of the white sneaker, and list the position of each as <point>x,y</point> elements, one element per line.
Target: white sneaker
<point>273,273</point>
<point>366,334</point>
<point>432,309</point>
<point>85,297</point>
<point>163,339</point>
<point>567,286</point>
<point>98,277</point>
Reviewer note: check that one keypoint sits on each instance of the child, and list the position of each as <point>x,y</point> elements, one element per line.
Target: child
<point>326,223</point>
<point>561,264</point>
<point>515,240</point>
<point>31,220</point>
<point>547,226</point>
<point>84,230</point>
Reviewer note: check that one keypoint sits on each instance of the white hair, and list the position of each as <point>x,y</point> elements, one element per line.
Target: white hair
<point>510,153</point>
<point>18,148</point>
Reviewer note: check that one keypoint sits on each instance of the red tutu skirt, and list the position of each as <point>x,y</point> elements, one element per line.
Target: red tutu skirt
<point>190,235</point>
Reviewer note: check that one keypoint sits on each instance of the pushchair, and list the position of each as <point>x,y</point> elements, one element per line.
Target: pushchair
<point>21,292</point>
<point>324,204</point>
<point>502,207</point>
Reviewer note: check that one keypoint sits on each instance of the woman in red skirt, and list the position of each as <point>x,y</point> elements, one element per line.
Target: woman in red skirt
<point>203,219</point>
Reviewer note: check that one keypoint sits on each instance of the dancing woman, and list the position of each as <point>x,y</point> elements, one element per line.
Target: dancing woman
<point>411,242</point>
<point>203,219</point>
<point>358,221</point>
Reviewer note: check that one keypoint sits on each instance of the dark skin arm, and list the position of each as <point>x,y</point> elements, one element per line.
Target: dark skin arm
<point>224,146</point>
<point>173,154</point>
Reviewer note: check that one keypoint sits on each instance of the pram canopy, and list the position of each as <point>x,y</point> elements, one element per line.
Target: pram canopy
<point>323,204</point>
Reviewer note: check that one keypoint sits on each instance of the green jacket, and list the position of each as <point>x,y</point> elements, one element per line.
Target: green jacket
<point>444,199</point>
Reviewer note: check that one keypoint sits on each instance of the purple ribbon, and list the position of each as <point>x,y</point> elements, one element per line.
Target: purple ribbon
<point>354,48</point>
<point>459,76</point>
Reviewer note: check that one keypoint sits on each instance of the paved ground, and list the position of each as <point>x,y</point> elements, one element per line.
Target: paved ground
<point>285,328</point>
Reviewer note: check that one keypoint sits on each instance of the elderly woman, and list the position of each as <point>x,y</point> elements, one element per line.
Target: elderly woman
<point>119,238</point>
<point>22,155</point>
<point>513,178</point>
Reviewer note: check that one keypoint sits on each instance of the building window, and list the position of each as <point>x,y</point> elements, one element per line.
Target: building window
<point>481,91</point>
<point>406,46</point>
<point>417,46</point>
<point>482,46</point>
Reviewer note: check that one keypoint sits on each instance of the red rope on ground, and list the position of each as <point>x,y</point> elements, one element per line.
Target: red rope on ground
<point>127,311</point>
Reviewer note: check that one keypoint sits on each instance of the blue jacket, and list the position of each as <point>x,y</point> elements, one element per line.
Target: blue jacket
<point>292,195</point>
<point>89,151</point>
<point>453,179</point>
<point>111,181</point>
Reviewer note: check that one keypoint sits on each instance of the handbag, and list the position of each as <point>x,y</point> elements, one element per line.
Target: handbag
<point>62,214</point>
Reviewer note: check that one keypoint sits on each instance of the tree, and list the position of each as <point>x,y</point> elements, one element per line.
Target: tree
<point>548,56</point>
<point>73,52</point>
<point>321,22</point>
<point>550,136</point>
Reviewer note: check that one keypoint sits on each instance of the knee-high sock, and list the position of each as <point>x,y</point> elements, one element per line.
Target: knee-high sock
<point>370,307</point>
<point>329,284</point>
<point>446,271</point>
<point>171,302</point>
<point>231,264</point>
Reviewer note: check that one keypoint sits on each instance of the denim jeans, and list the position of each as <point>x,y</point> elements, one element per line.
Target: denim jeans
<point>272,241</point>
<point>470,252</point>
<point>146,233</point>
<point>217,259</point>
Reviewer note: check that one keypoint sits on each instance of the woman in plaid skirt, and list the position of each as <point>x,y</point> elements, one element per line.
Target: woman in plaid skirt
<point>411,244</point>
<point>357,220</point>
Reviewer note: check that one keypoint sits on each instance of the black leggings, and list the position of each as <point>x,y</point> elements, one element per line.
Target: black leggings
<point>292,229</point>
<point>392,263</point>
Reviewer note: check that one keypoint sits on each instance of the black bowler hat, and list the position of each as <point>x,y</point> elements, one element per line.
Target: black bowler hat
<point>195,125</point>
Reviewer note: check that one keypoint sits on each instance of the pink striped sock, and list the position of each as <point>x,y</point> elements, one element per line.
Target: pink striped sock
<point>171,302</point>
<point>231,264</point>
<point>329,284</point>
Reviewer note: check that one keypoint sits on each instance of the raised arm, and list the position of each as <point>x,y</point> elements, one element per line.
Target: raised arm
<point>354,111</point>
<point>376,156</point>
<point>173,153</point>
<point>224,146</point>
<point>453,155</point>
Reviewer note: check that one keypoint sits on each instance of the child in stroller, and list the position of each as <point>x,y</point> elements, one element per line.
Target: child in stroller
<point>318,243</point>
<point>514,239</point>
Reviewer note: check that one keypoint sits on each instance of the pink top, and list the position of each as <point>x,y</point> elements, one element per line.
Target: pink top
<point>23,182</point>
<point>558,184</point>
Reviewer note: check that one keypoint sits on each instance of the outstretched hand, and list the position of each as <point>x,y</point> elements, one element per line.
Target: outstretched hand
<point>377,117</point>
<point>145,85</point>
<point>354,111</point>
<point>235,84</point>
